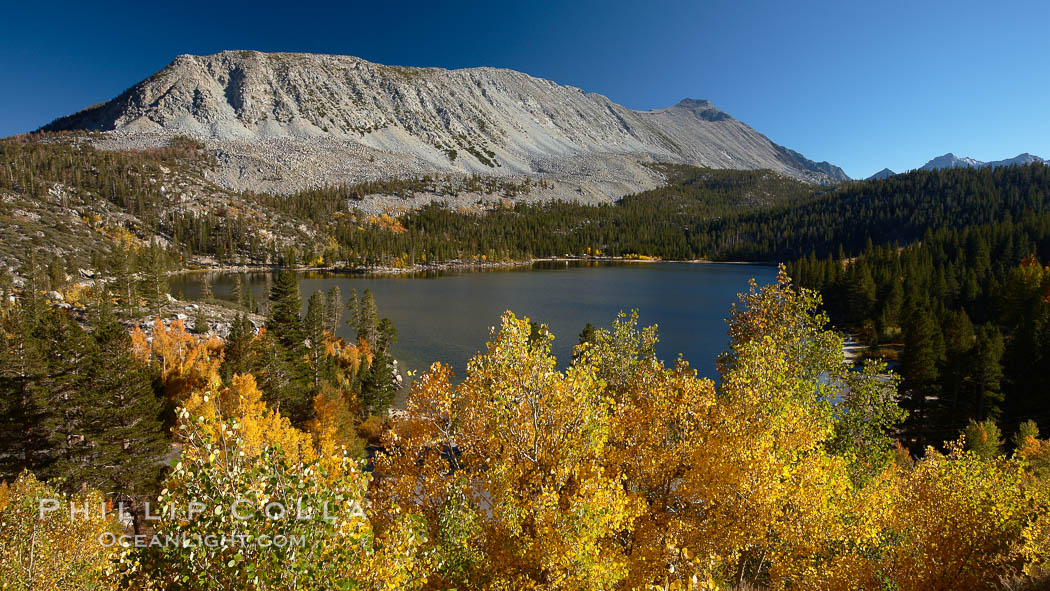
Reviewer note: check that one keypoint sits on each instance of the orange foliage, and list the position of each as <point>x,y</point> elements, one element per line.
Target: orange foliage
<point>186,362</point>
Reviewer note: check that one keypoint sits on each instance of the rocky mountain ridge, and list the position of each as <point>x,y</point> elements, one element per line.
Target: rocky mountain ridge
<point>282,122</point>
<point>950,160</point>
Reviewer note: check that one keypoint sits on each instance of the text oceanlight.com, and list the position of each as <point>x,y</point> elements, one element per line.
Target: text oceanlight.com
<point>198,541</point>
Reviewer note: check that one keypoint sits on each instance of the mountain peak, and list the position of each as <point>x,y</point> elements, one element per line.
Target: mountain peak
<point>348,120</point>
<point>950,160</point>
<point>885,173</point>
<point>692,103</point>
<point>702,109</point>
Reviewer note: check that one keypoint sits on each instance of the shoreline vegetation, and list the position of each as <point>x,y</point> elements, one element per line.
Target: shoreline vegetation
<point>466,266</point>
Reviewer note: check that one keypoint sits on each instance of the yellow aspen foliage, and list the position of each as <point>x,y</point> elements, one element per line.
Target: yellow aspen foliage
<point>239,486</point>
<point>769,490</point>
<point>522,443</point>
<point>955,522</point>
<point>259,427</point>
<point>50,551</point>
<point>333,427</point>
<point>185,362</point>
<point>1036,453</point>
<point>1036,549</point>
<point>737,483</point>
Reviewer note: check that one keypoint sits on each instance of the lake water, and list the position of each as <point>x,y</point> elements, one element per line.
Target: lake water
<point>447,316</point>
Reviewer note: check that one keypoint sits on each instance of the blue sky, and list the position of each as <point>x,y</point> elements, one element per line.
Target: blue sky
<point>864,85</point>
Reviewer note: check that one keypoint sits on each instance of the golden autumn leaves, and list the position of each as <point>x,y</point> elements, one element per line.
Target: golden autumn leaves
<point>618,472</point>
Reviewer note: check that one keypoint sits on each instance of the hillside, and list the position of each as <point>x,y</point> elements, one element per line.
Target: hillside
<point>284,122</point>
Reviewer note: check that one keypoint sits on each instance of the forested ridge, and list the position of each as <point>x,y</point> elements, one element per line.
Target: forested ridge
<point>700,214</point>
<point>61,187</point>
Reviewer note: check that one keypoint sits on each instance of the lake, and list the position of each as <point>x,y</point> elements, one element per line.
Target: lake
<point>447,316</point>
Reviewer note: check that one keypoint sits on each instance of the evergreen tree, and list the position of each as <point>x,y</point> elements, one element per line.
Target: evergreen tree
<point>123,438</point>
<point>238,292</point>
<point>367,320</point>
<point>7,288</point>
<point>1026,430</point>
<point>860,293</point>
<point>283,376</point>
<point>206,293</point>
<point>62,346</point>
<point>353,305</point>
<point>387,334</point>
<point>200,322</point>
<point>249,302</point>
<point>379,387</point>
<point>56,274</point>
<point>919,367</point>
<point>314,326</point>
<point>334,308</point>
<point>587,334</point>
<point>25,407</point>
<point>154,268</point>
<point>984,438</point>
<point>121,263</point>
<point>284,321</point>
<point>237,354</point>
<point>287,375</point>
<point>955,371</point>
<point>988,373</point>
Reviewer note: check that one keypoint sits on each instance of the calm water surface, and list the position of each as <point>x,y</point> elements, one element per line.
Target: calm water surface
<point>447,317</point>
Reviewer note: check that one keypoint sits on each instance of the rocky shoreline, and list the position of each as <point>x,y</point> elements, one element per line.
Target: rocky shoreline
<point>201,266</point>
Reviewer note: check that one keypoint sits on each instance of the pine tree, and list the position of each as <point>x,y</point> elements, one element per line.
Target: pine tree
<point>368,320</point>
<point>334,308</point>
<point>200,322</point>
<point>984,438</point>
<point>249,301</point>
<point>284,377</point>
<point>119,416</point>
<point>353,305</point>
<point>154,268</point>
<point>56,274</point>
<point>121,263</point>
<point>237,354</point>
<point>860,293</point>
<point>284,321</point>
<point>587,334</point>
<point>988,373</point>
<point>314,327</point>
<point>7,288</point>
<point>920,364</point>
<point>26,410</point>
<point>387,335</point>
<point>1026,430</point>
<point>238,292</point>
<point>206,293</point>
<point>284,355</point>
<point>379,387</point>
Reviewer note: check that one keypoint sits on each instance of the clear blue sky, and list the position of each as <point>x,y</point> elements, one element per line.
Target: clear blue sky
<point>861,84</point>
